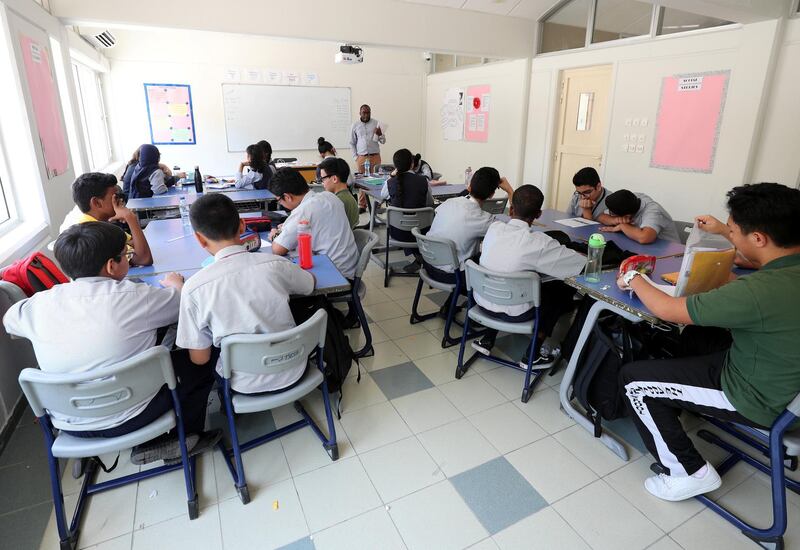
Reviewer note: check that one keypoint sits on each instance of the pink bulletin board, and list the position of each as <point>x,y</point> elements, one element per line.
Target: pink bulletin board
<point>476,121</point>
<point>169,110</point>
<point>44,100</point>
<point>688,121</point>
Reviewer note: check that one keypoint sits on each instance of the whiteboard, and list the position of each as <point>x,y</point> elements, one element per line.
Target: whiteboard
<point>290,118</point>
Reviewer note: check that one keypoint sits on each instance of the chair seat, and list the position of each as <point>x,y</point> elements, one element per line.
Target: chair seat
<point>438,285</point>
<point>69,446</point>
<point>243,403</point>
<point>477,313</point>
<point>791,440</point>
<point>347,296</point>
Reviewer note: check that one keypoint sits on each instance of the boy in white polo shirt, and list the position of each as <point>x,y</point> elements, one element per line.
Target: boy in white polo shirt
<point>512,246</point>
<point>240,293</point>
<point>331,234</point>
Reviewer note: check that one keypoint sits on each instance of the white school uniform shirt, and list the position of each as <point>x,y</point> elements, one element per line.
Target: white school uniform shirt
<point>157,183</point>
<point>246,181</point>
<point>510,247</point>
<point>242,293</point>
<point>331,234</point>
<point>576,211</point>
<point>90,323</point>
<point>462,221</point>
<point>651,214</point>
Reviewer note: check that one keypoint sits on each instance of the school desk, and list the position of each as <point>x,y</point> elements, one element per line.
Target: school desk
<point>160,207</point>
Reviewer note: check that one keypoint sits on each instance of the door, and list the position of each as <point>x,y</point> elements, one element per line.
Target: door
<point>582,127</point>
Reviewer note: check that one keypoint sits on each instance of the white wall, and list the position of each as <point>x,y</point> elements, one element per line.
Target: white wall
<point>390,80</point>
<point>638,70</point>
<point>505,147</point>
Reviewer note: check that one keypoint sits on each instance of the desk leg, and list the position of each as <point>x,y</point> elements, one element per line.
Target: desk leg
<point>566,384</point>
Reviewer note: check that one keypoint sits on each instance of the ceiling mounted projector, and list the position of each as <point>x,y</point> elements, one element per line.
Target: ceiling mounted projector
<point>349,55</point>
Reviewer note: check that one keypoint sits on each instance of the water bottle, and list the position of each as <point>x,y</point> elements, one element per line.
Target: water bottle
<point>184,210</point>
<point>304,244</point>
<point>198,180</point>
<point>594,260</point>
<point>178,181</point>
<point>367,166</point>
<point>467,175</point>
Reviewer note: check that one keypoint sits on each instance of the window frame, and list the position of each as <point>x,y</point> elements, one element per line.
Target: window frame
<point>76,65</point>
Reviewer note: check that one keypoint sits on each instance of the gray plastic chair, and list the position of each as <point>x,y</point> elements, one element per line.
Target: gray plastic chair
<point>96,394</point>
<point>316,187</point>
<point>272,354</point>
<point>503,289</point>
<point>436,176</point>
<point>404,219</point>
<point>495,206</point>
<point>683,229</point>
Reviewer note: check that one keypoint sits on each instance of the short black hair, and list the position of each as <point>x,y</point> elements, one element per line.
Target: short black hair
<point>769,208</point>
<point>288,180</point>
<point>623,203</point>
<point>527,202</point>
<point>90,185</point>
<point>586,176</point>
<point>83,249</point>
<point>336,167</point>
<point>214,215</point>
<point>484,183</point>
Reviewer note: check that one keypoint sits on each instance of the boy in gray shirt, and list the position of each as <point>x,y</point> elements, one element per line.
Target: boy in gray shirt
<point>647,220</point>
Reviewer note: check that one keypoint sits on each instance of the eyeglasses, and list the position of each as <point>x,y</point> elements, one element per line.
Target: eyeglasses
<point>584,194</point>
<point>322,179</point>
<point>128,254</point>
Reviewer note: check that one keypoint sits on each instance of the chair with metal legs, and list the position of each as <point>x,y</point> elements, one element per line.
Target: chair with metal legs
<point>404,219</point>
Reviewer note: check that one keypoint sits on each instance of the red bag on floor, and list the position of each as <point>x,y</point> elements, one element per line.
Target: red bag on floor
<point>34,273</point>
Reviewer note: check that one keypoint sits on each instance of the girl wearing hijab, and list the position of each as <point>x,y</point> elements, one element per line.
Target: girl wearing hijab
<point>145,178</point>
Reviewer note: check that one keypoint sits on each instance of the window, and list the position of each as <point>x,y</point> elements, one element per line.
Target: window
<point>93,116</point>
<point>673,21</point>
<point>5,215</point>
<point>565,28</point>
<point>615,19</point>
<point>441,62</point>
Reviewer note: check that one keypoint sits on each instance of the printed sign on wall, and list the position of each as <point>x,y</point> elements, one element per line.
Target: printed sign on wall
<point>169,110</point>
<point>476,124</point>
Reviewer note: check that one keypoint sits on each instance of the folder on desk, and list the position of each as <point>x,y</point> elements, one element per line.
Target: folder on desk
<point>702,270</point>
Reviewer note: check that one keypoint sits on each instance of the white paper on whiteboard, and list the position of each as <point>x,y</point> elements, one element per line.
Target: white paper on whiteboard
<point>273,76</point>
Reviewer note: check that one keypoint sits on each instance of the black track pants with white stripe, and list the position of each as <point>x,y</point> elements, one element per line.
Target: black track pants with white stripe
<point>657,390</point>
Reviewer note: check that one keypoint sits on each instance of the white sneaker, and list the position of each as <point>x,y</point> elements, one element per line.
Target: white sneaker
<point>675,488</point>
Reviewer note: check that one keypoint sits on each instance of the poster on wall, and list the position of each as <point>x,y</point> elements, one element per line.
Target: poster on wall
<point>476,125</point>
<point>452,114</point>
<point>44,100</point>
<point>688,121</point>
<point>169,110</point>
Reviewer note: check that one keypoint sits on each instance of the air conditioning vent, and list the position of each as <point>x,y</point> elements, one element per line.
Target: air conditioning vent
<point>101,40</point>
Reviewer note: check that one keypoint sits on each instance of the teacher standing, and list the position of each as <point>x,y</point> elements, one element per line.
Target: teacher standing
<point>366,137</point>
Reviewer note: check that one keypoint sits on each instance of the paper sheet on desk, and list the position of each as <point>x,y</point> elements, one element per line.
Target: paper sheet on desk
<point>221,185</point>
<point>577,222</point>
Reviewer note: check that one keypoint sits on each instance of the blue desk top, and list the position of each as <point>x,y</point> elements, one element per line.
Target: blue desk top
<point>171,199</point>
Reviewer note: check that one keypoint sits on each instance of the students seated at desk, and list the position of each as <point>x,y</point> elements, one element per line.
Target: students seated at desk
<point>330,230</point>
<point>169,178</point>
<point>97,197</point>
<point>240,293</point>
<point>462,220</point>
<point>267,150</point>
<point>101,318</point>
<point>145,178</point>
<point>258,167</point>
<point>751,378</point>
<point>510,247</point>
<point>639,217</point>
<point>589,199</point>
<point>333,173</point>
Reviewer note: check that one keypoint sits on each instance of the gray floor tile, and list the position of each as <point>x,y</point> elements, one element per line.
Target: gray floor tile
<point>24,528</point>
<point>400,380</point>
<point>513,345</point>
<point>24,484</point>
<point>301,544</point>
<point>248,426</point>
<point>26,442</point>
<point>626,429</point>
<point>497,494</point>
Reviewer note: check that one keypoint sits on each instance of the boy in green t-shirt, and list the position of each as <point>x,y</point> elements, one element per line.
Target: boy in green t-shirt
<point>333,174</point>
<point>751,381</point>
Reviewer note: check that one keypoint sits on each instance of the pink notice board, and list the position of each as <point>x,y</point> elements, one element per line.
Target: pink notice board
<point>476,121</point>
<point>44,100</point>
<point>169,110</point>
<point>688,121</point>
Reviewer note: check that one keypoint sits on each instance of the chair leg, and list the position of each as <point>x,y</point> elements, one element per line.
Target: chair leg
<point>460,367</point>
<point>367,350</point>
<point>387,270</point>
<point>66,537</point>
<point>331,446</point>
<point>188,464</point>
<point>241,481</point>
<point>415,316</point>
<point>527,390</point>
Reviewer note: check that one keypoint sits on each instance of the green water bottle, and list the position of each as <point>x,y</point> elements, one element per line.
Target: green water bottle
<point>594,259</point>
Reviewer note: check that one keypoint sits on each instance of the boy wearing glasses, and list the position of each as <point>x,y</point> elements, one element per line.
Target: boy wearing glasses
<point>589,200</point>
<point>333,175</point>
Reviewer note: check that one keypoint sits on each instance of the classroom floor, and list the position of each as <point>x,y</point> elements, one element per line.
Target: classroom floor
<point>426,462</point>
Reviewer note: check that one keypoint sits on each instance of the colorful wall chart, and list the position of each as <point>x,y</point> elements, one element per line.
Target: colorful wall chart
<point>688,121</point>
<point>476,123</point>
<point>44,100</point>
<point>169,109</point>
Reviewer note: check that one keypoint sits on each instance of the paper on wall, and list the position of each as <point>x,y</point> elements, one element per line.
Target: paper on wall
<point>311,79</point>
<point>232,74</point>
<point>253,75</point>
<point>291,78</point>
<point>485,100</point>
<point>273,76</point>
<point>451,114</point>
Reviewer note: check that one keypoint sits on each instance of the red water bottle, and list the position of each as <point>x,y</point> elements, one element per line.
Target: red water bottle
<point>304,244</point>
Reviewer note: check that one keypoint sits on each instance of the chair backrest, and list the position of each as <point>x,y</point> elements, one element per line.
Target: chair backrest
<point>276,352</point>
<point>284,160</point>
<point>504,289</point>
<point>436,251</point>
<point>436,175</point>
<point>316,187</point>
<point>100,392</point>
<point>683,229</point>
<point>408,218</point>
<point>495,206</point>
<point>365,242</point>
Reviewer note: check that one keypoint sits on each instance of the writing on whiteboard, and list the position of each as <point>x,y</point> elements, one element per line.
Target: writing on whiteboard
<point>690,83</point>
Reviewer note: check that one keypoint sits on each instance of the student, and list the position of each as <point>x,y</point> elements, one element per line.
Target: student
<point>510,247</point>
<point>421,167</point>
<point>462,220</point>
<point>266,148</point>
<point>146,178</point>
<point>330,230</point>
<point>639,217</point>
<point>101,318</point>
<point>214,305</point>
<point>333,173</point>
<point>266,176</point>
<point>258,167</point>
<point>589,199</point>
<point>169,178</point>
<point>97,198</point>
<point>750,381</point>
<point>326,150</point>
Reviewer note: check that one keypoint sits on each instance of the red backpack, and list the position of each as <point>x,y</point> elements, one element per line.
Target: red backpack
<point>34,273</point>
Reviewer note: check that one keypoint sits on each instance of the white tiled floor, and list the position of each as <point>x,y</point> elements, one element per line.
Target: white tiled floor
<point>392,487</point>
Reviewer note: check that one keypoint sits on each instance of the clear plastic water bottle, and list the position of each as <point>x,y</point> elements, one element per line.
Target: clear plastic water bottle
<point>183,207</point>
<point>367,166</point>
<point>468,175</point>
<point>594,259</point>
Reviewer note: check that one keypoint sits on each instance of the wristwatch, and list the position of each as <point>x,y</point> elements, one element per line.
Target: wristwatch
<point>628,277</point>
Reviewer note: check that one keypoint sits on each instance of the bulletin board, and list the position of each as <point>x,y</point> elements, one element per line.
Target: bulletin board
<point>476,122</point>
<point>170,113</point>
<point>688,121</point>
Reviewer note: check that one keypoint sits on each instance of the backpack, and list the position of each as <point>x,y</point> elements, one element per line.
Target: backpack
<point>35,273</point>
